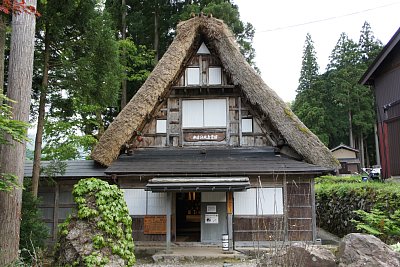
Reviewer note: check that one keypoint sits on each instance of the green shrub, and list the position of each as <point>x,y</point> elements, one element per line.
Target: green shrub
<point>379,224</point>
<point>336,203</point>
<point>33,231</point>
<point>338,179</point>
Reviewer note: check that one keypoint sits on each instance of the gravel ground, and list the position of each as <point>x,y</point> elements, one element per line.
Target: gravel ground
<point>248,263</point>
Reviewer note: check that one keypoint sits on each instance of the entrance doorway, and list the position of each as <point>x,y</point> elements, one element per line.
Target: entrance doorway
<point>188,216</point>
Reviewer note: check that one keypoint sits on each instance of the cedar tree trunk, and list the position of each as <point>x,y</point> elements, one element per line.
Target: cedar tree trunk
<point>156,33</point>
<point>12,157</point>
<point>3,29</point>
<point>123,36</point>
<point>40,123</point>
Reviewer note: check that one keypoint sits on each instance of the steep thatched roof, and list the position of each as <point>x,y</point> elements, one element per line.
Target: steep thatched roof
<point>221,41</point>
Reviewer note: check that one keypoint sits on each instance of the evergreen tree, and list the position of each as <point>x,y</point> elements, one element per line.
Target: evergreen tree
<point>309,66</point>
<point>307,104</point>
<point>369,46</point>
<point>87,87</point>
<point>342,75</point>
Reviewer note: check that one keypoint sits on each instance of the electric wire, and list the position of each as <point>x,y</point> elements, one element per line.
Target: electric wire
<point>326,19</point>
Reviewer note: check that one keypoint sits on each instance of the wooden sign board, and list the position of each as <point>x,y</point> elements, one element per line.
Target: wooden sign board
<point>229,203</point>
<point>155,225</point>
<point>201,137</point>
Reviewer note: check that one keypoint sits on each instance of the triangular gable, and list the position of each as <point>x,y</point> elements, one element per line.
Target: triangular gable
<point>220,40</point>
<point>203,49</point>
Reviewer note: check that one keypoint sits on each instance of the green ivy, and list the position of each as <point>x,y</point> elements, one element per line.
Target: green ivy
<point>112,217</point>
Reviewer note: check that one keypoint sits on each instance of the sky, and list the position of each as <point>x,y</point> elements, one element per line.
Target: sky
<point>279,44</point>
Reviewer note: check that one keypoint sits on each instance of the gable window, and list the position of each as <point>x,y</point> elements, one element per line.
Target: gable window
<point>161,126</point>
<point>247,125</point>
<point>204,113</point>
<point>214,75</point>
<point>193,76</point>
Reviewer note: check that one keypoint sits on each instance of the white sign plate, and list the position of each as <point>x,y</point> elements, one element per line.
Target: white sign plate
<point>211,208</point>
<point>211,218</point>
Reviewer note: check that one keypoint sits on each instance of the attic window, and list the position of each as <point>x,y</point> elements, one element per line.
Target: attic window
<point>214,75</point>
<point>161,126</point>
<point>203,50</point>
<point>193,76</point>
<point>247,125</point>
<point>204,113</point>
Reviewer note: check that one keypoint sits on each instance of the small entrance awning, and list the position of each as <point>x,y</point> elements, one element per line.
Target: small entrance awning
<point>203,184</point>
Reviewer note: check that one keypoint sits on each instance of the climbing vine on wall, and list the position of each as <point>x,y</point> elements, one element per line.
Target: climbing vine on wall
<point>103,205</point>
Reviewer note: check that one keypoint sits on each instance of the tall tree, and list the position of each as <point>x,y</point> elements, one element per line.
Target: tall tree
<point>364,120</point>
<point>309,66</point>
<point>343,59</point>
<point>310,93</point>
<point>87,88</point>
<point>123,56</point>
<point>369,46</point>
<point>12,157</point>
<point>50,41</point>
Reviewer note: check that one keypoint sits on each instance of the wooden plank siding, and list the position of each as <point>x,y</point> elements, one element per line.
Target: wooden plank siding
<point>258,228</point>
<point>300,210</point>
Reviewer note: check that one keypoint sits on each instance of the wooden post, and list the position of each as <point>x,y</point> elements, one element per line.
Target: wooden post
<point>229,211</point>
<point>314,219</point>
<point>285,209</point>
<point>168,211</point>
<point>55,212</point>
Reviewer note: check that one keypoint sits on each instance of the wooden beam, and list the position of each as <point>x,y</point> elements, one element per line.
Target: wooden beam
<point>168,209</point>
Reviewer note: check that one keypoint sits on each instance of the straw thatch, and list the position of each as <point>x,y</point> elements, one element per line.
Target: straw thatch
<point>221,41</point>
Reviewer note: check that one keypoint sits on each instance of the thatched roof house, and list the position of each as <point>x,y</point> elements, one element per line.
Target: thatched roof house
<point>220,40</point>
<point>205,148</point>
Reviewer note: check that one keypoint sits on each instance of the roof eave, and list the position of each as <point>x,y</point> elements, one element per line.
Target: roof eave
<point>368,76</point>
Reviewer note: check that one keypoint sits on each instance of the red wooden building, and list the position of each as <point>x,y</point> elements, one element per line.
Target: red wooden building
<point>384,77</point>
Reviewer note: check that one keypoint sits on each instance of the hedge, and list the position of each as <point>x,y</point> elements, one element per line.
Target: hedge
<point>337,201</point>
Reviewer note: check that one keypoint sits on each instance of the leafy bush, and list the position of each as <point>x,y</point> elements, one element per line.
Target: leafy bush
<point>338,179</point>
<point>336,204</point>
<point>380,224</point>
<point>33,231</point>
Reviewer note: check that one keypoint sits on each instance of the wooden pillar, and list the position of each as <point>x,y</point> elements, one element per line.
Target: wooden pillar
<point>55,212</point>
<point>314,218</point>
<point>229,211</point>
<point>168,209</point>
<point>285,209</point>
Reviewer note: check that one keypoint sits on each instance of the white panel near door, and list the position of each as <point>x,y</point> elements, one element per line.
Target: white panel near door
<point>270,201</point>
<point>245,202</point>
<point>156,203</point>
<point>136,201</point>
